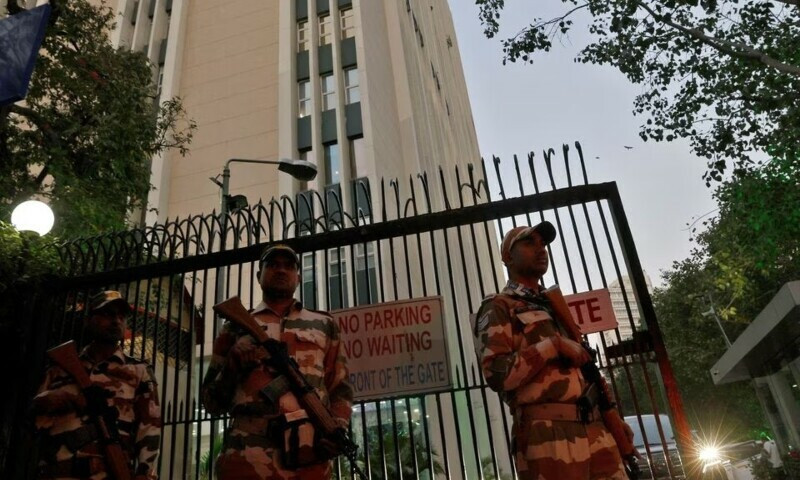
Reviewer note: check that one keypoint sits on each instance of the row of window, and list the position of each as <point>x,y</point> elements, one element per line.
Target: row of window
<point>328,89</point>
<point>333,165</point>
<point>347,29</point>
<point>366,284</point>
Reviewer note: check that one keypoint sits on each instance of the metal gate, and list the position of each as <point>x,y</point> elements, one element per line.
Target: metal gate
<point>394,240</point>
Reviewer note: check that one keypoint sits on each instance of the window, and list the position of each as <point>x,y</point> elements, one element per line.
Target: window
<point>366,276</point>
<point>358,161</point>
<point>332,164</point>
<point>309,286</point>
<point>159,83</point>
<point>302,36</point>
<point>304,98</point>
<point>351,92</point>
<point>337,279</point>
<point>325,30</point>
<point>308,155</point>
<point>328,93</point>
<point>347,23</point>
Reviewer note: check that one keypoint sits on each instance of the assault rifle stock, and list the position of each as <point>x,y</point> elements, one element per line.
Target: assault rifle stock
<point>66,357</point>
<point>591,374</point>
<point>233,311</point>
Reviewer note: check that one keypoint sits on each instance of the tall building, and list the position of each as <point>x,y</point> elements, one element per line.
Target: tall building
<point>620,306</point>
<point>365,89</point>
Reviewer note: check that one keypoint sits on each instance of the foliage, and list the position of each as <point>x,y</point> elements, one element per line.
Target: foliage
<point>743,256</point>
<point>24,259</point>
<point>84,136</point>
<point>725,75</point>
<point>487,468</point>
<point>206,460</point>
<point>399,440</point>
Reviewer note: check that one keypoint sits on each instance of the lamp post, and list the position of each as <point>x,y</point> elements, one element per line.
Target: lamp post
<point>299,169</point>
<point>712,312</point>
<point>34,216</point>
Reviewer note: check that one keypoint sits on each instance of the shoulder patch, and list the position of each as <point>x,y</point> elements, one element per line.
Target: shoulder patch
<point>321,313</point>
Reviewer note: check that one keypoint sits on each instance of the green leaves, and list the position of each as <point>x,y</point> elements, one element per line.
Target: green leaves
<point>743,256</point>
<point>725,75</point>
<point>88,128</point>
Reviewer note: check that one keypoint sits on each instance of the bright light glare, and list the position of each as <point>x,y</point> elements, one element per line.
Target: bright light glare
<point>709,454</point>
<point>33,215</point>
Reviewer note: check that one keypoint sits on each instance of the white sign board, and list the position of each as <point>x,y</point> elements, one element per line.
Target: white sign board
<point>395,348</point>
<point>592,310</point>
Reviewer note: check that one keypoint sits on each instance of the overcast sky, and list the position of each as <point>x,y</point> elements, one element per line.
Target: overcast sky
<point>521,107</point>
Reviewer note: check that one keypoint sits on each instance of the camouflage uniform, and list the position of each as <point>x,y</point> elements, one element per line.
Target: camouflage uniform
<point>70,445</point>
<point>257,398</point>
<point>521,364</point>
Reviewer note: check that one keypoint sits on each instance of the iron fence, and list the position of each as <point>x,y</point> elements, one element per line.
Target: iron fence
<point>427,235</point>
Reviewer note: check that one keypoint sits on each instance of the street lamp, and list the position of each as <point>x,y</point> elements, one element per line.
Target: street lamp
<point>299,169</point>
<point>34,216</point>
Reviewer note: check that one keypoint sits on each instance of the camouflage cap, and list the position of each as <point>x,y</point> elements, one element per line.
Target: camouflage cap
<point>278,249</point>
<point>545,229</point>
<point>106,298</point>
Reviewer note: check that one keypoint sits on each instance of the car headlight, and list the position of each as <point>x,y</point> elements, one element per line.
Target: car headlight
<point>709,454</point>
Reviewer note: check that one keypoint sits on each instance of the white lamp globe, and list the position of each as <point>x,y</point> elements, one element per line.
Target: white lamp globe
<point>34,216</point>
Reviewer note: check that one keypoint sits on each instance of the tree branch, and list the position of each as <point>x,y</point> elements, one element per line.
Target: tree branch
<point>37,120</point>
<point>551,22</point>
<point>734,49</point>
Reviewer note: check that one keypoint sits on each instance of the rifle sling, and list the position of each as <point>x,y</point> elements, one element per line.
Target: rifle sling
<point>276,389</point>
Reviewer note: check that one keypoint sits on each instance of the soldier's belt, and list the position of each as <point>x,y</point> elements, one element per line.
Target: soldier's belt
<point>76,439</point>
<point>566,412</point>
<point>251,440</point>
<point>76,467</point>
<point>253,409</point>
<point>253,425</point>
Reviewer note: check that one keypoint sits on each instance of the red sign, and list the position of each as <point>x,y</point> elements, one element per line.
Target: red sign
<point>592,310</point>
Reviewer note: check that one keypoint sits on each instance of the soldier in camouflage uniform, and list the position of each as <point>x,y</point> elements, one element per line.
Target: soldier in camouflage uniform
<point>270,436</point>
<point>528,358</point>
<point>123,387</point>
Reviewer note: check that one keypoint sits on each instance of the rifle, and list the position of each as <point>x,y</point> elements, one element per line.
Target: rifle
<point>66,357</point>
<point>233,311</point>
<point>597,385</point>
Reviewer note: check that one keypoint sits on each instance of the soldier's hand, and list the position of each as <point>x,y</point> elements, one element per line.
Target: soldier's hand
<point>246,356</point>
<point>571,350</point>
<point>96,400</point>
<point>57,401</point>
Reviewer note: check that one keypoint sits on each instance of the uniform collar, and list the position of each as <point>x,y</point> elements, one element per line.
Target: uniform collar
<point>519,290</point>
<point>263,307</point>
<point>118,355</point>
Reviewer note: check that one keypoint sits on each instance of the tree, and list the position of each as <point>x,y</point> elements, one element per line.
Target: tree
<point>743,256</point>
<point>84,136</point>
<point>725,75</point>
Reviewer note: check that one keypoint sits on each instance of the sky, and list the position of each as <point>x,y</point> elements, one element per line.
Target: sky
<point>519,108</point>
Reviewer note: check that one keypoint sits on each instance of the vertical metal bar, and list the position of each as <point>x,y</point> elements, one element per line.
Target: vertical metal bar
<point>443,435</point>
<point>532,169</point>
<point>365,437</point>
<point>578,241</point>
<point>631,257</point>
<point>381,445</point>
<point>412,440</point>
<point>547,161</point>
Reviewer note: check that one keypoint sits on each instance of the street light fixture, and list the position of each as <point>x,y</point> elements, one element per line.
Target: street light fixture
<point>299,169</point>
<point>34,216</point>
